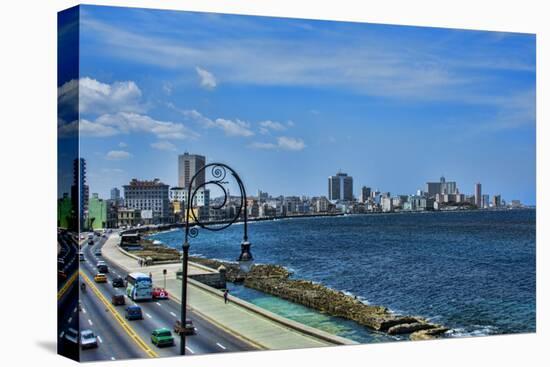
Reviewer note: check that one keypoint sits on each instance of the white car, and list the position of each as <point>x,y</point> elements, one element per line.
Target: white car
<point>88,339</point>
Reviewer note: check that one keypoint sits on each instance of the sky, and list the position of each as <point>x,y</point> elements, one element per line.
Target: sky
<point>289,102</point>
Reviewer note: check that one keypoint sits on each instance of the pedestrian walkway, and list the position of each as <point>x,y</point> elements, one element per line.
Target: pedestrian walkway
<point>259,327</point>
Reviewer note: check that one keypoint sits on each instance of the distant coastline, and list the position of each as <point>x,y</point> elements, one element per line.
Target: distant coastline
<point>158,228</point>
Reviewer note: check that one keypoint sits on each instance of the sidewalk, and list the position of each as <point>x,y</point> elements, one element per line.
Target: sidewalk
<point>259,327</point>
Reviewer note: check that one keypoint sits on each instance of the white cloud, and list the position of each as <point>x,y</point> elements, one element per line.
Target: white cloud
<point>287,143</point>
<point>234,128</point>
<point>283,143</point>
<point>266,126</point>
<point>122,144</point>
<point>164,145</point>
<point>128,122</point>
<point>207,79</point>
<point>117,155</point>
<point>230,127</point>
<point>95,97</point>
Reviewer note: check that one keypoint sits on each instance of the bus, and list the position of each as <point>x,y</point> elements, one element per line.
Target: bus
<point>139,287</point>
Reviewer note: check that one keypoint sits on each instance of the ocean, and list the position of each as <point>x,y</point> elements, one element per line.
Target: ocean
<point>472,271</point>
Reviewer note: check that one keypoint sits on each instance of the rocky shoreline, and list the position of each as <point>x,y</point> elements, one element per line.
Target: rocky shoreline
<point>275,280</point>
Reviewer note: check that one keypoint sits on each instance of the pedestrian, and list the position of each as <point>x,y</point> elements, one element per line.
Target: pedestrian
<point>225,296</point>
<point>139,262</point>
<point>151,275</point>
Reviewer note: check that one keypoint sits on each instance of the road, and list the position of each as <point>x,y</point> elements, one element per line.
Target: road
<point>67,292</point>
<point>118,343</point>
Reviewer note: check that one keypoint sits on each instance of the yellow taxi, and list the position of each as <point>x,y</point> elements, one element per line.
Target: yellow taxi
<point>100,278</point>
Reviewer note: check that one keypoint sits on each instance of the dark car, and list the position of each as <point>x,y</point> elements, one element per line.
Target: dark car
<point>118,282</point>
<point>133,313</point>
<point>118,300</point>
<point>103,268</point>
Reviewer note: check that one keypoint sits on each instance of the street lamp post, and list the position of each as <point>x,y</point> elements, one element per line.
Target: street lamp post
<point>218,172</point>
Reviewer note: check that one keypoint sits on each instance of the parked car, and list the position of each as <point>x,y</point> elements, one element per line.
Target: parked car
<point>118,299</point>
<point>118,282</point>
<point>162,337</point>
<point>160,293</point>
<point>88,339</point>
<point>188,329</point>
<point>133,313</point>
<point>100,278</point>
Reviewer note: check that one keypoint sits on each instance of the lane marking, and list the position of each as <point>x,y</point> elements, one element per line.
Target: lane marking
<point>158,304</point>
<point>122,322</point>
<point>149,316</point>
<point>173,314</point>
<point>189,350</point>
<point>221,346</point>
<point>69,320</point>
<point>66,286</point>
<point>75,309</point>
<point>99,338</point>
<point>83,310</point>
<point>61,335</point>
<point>113,359</point>
<point>90,322</point>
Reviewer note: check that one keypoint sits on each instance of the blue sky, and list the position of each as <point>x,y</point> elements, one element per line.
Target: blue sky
<point>288,102</point>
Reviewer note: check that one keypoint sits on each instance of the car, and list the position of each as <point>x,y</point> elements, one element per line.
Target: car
<point>188,329</point>
<point>88,339</point>
<point>160,293</point>
<point>118,299</point>
<point>60,261</point>
<point>133,313</point>
<point>90,242</point>
<point>103,268</point>
<point>100,278</point>
<point>101,262</point>
<point>118,282</point>
<point>81,256</point>
<point>162,337</point>
<point>71,335</point>
<point>97,252</point>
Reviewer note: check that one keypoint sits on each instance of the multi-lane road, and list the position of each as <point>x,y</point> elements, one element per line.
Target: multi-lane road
<point>122,339</point>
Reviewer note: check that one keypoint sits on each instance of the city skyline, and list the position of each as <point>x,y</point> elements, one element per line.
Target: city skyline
<point>393,120</point>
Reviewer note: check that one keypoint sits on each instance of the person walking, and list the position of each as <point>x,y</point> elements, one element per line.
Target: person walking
<point>226,296</point>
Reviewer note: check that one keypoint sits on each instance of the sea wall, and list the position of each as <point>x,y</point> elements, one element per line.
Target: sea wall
<point>275,280</point>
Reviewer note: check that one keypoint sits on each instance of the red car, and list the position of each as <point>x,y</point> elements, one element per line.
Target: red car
<point>160,293</point>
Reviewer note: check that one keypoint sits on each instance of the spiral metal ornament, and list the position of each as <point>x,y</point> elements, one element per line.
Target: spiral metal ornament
<point>219,173</point>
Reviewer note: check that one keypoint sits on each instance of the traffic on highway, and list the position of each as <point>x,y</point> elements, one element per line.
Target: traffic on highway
<point>121,316</point>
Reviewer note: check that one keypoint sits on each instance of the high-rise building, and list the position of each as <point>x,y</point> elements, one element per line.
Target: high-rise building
<point>441,187</point>
<point>485,201</point>
<point>496,201</point>
<point>115,194</point>
<point>365,194</point>
<point>80,192</point>
<point>340,187</point>
<point>478,195</point>
<point>188,166</point>
<point>150,197</point>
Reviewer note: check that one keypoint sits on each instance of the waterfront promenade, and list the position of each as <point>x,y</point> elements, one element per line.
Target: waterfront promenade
<point>260,328</point>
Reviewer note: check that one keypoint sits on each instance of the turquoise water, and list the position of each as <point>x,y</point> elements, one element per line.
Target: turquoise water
<point>472,271</point>
<point>307,316</point>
